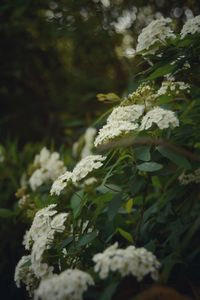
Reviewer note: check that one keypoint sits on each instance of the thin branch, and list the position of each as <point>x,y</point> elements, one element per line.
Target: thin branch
<point>139,141</point>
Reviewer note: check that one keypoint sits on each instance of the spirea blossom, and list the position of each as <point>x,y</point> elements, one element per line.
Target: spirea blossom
<point>83,147</point>
<point>61,182</point>
<point>89,142</point>
<point>153,35</point>
<point>144,94</point>
<point>192,26</point>
<point>130,113</point>
<point>189,178</point>
<point>113,130</point>
<point>40,226</point>
<point>163,118</point>
<point>129,261</point>
<point>24,273</point>
<point>39,267</point>
<point>69,285</point>
<point>171,87</point>
<point>121,120</point>
<point>81,170</point>
<point>48,168</point>
<point>47,222</point>
<point>87,165</point>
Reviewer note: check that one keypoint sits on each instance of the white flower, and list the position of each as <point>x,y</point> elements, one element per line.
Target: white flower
<point>69,285</point>
<point>170,87</point>
<point>129,261</point>
<point>161,117</point>
<point>89,142</point>
<point>189,178</point>
<point>89,181</point>
<point>145,94</point>
<point>84,145</point>
<point>37,179</point>
<point>130,113</point>
<point>81,170</point>
<point>121,120</point>
<point>61,182</point>
<point>49,14</point>
<point>113,130</point>
<point>47,222</point>
<point>153,35</point>
<point>40,268</point>
<point>24,273</point>
<point>87,165</point>
<point>125,20</point>
<point>57,223</point>
<point>192,26</point>
<point>49,167</point>
<point>40,226</point>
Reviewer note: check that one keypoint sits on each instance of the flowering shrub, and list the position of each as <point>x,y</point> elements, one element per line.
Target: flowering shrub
<point>132,186</point>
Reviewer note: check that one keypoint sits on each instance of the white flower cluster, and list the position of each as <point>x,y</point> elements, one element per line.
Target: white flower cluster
<point>69,285</point>
<point>170,87</point>
<point>49,167</point>
<point>84,145</point>
<point>125,21</point>
<point>129,261</point>
<point>126,113</point>
<point>47,222</point>
<point>121,120</point>
<point>192,26</point>
<point>152,36</point>
<point>89,141</point>
<point>163,118</point>
<point>188,178</point>
<point>145,94</point>
<point>24,273</point>
<point>81,170</point>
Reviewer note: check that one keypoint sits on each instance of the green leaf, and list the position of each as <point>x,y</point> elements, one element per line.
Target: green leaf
<point>67,241</point>
<point>109,291</point>
<point>6,213</point>
<point>114,206</point>
<point>159,72</point>
<point>87,238</point>
<point>129,205</point>
<point>149,167</point>
<point>174,157</point>
<point>125,235</point>
<point>76,203</point>
<point>142,153</point>
<point>156,182</point>
<point>135,185</point>
<point>110,97</point>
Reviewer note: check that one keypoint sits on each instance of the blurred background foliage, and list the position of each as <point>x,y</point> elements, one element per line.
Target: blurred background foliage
<point>55,57</point>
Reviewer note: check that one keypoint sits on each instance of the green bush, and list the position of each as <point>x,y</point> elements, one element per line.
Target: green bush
<point>136,183</point>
